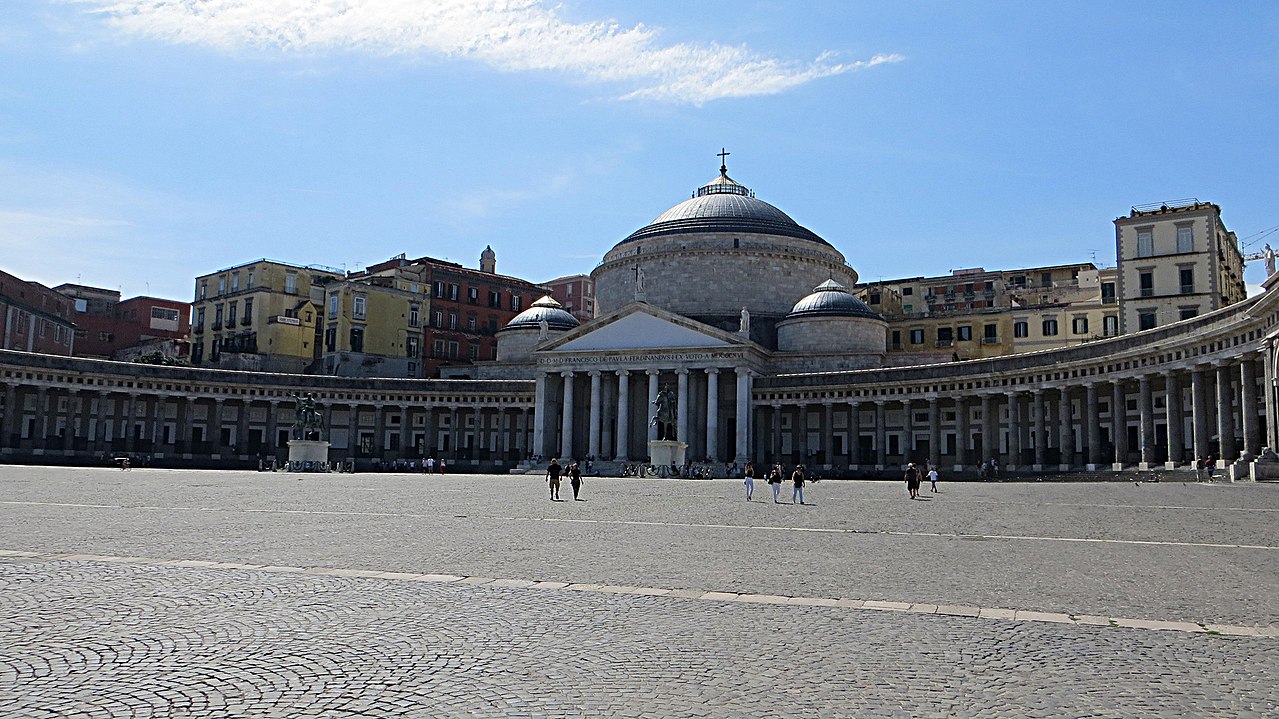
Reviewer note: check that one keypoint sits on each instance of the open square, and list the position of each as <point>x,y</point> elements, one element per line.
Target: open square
<point>183,593</point>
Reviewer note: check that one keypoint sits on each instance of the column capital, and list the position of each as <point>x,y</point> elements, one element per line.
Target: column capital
<point>712,370</point>
<point>622,373</point>
<point>566,373</point>
<point>594,373</point>
<point>743,370</point>
<point>652,372</point>
<point>682,372</point>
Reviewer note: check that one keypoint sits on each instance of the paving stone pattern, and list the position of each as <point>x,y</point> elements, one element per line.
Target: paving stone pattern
<point>81,637</point>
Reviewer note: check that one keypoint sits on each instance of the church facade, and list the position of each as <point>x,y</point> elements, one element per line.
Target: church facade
<point>746,318</point>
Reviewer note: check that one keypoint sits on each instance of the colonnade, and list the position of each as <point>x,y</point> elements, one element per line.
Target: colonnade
<point>1159,419</point>
<point>613,419</point>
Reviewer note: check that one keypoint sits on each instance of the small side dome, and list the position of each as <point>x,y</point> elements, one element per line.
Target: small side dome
<point>831,299</point>
<point>557,318</point>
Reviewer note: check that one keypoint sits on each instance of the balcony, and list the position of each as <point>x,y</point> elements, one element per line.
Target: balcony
<point>1109,300</point>
<point>1187,289</point>
<point>990,340</point>
<point>1147,292</point>
<point>230,324</point>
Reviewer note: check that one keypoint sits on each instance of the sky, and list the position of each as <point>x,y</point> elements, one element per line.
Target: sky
<point>145,142</point>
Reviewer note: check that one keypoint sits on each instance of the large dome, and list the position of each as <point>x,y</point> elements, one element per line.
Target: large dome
<point>723,205</point>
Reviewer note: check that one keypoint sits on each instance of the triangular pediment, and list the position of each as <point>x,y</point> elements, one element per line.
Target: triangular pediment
<point>639,328</point>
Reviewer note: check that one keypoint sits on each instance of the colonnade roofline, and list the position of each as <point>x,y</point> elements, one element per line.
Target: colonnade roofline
<point>1218,336</point>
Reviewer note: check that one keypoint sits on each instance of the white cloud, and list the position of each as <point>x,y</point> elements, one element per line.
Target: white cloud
<point>511,35</point>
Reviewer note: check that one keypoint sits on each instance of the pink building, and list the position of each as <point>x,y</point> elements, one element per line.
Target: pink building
<point>575,292</point>
<point>34,318</point>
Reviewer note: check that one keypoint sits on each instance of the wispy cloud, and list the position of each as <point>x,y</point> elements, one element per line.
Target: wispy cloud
<point>511,35</point>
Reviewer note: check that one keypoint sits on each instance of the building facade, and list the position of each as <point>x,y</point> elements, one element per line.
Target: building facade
<point>262,315</point>
<point>34,318</point>
<point>799,373</point>
<point>575,293</point>
<point>1177,260</point>
<point>108,328</point>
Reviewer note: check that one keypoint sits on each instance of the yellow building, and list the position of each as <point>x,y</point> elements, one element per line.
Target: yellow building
<point>262,315</point>
<point>373,325</point>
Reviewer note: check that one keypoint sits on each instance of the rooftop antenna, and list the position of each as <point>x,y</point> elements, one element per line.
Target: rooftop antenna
<point>723,161</point>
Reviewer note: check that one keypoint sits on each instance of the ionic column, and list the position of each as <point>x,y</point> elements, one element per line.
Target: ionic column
<point>406,430</point>
<point>1173,418</point>
<point>744,381</point>
<point>593,433</point>
<point>961,433</point>
<point>1041,430</point>
<point>854,434</point>
<point>242,427</point>
<point>908,429</point>
<point>1119,422</point>
<point>681,405</point>
<point>800,425</point>
<point>273,424</point>
<point>1066,431</point>
<point>1268,387</point>
<point>623,434</point>
<point>1092,421</point>
<point>652,400</point>
<point>1225,416</point>
<point>1146,420</point>
<point>828,433</point>
<point>1016,429</point>
<point>934,432</point>
<point>130,417</point>
<point>523,441</point>
<point>1248,410</point>
<point>379,430</point>
<point>566,418</point>
<point>777,433</point>
<point>1199,414</point>
<point>455,430</point>
<point>712,412</point>
<point>881,437</point>
<point>989,445</point>
<point>539,416</point>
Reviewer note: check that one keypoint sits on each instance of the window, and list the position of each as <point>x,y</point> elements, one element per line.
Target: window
<point>412,369</point>
<point>1108,292</point>
<point>291,282</point>
<point>1021,328</point>
<point>438,350</point>
<point>492,323</point>
<point>1147,282</point>
<point>1146,320</point>
<point>897,340</point>
<point>221,285</point>
<point>414,312</point>
<point>1017,281</point>
<point>516,303</point>
<point>473,295</point>
<point>235,281</point>
<point>968,288</point>
<point>473,352</point>
<point>1187,277</point>
<point>1050,326</point>
<point>1110,325</point>
<point>358,306</point>
<point>357,339</point>
<point>470,323</point>
<point>495,298</point>
<point>81,305</point>
<point>965,333</point>
<point>164,313</point>
<point>411,347</point>
<point>452,350</point>
<point>439,290</point>
<point>1045,279</point>
<point>1186,313</point>
<point>452,320</point>
<point>248,310</point>
<point>453,290</point>
<point>1145,243</point>
<point>945,336</point>
<point>199,320</point>
<point>333,306</point>
<point>917,337</point>
<point>248,284</point>
<point>1185,238</point>
<point>217,317</point>
<point>439,319</point>
<point>990,334</point>
<point>908,291</point>
<point>874,299</point>
<point>204,289</point>
<point>1079,325</point>
<point>330,339</point>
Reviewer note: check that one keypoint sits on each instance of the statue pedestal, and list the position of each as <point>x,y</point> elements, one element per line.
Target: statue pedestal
<point>308,455</point>
<point>667,452</point>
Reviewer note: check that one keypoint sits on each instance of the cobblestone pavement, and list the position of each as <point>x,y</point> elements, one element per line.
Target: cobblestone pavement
<point>101,639</point>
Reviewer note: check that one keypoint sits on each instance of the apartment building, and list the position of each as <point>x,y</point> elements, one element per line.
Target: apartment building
<point>34,318</point>
<point>110,328</point>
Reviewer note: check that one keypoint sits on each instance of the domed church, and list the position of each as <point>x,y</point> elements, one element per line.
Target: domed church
<point>716,291</point>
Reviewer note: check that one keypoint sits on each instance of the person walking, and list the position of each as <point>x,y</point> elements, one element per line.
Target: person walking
<point>553,471</point>
<point>575,480</point>
<point>932,477</point>
<point>775,481</point>
<point>912,480</point>
<point>749,473</point>
<point>797,479</point>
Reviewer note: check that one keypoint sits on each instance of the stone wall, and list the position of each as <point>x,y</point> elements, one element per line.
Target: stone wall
<point>855,335</point>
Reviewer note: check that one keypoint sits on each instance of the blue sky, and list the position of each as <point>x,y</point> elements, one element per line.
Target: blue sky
<point>144,142</point>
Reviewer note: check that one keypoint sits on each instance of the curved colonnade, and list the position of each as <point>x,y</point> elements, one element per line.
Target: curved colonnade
<point>1162,398</point>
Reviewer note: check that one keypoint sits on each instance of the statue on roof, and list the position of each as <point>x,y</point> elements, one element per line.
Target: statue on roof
<point>745,322</point>
<point>1269,254</point>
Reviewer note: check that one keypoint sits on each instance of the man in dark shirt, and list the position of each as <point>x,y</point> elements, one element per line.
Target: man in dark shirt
<point>553,479</point>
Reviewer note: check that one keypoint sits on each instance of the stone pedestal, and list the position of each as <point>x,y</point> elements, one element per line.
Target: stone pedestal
<point>1264,471</point>
<point>666,452</point>
<point>308,455</point>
